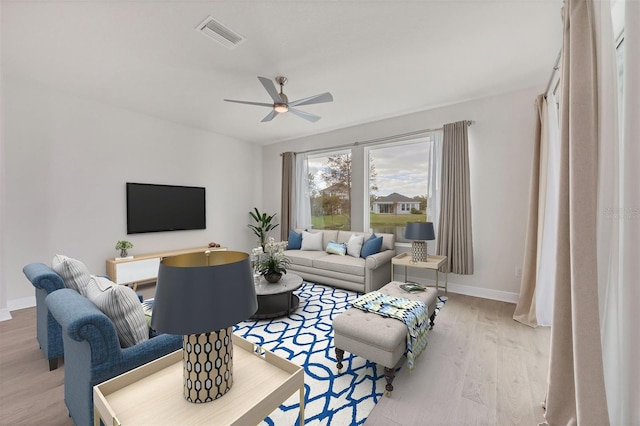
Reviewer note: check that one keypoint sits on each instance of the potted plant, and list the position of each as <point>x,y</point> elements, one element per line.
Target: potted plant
<point>272,263</point>
<point>123,246</point>
<point>264,225</point>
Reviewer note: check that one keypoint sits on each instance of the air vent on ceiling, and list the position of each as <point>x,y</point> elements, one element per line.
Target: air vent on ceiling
<point>223,35</point>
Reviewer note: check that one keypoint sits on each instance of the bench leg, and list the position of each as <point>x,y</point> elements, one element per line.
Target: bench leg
<point>389,374</point>
<point>339,357</point>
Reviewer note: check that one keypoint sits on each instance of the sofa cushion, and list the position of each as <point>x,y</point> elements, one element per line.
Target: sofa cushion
<point>121,304</point>
<point>295,240</point>
<point>73,272</point>
<point>345,264</point>
<point>336,248</point>
<point>354,245</point>
<point>371,246</point>
<point>303,258</point>
<point>312,241</point>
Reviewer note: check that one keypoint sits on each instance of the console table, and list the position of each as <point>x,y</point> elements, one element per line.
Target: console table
<point>144,268</point>
<point>152,394</point>
<point>433,262</point>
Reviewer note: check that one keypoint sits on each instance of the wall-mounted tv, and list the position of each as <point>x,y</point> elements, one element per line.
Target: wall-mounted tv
<point>156,208</point>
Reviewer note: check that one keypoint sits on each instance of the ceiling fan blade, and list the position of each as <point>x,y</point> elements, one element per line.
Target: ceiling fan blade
<point>271,89</point>
<point>317,99</point>
<point>270,116</point>
<point>250,103</point>
<point>310,117</point>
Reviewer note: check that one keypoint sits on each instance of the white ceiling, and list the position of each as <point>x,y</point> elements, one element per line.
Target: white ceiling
<point>379,59</point>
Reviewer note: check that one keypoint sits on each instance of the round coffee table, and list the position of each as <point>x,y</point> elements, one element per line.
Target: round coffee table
<point>277,300</point>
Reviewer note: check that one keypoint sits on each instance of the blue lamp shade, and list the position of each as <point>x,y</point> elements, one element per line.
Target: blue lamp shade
<point>419,232</point>
<point>201,296</point>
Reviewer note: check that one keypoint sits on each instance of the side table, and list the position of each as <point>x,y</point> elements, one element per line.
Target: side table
<point>433,262</point>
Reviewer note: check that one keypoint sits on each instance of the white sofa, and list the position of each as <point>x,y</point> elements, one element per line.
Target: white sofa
<point>348,272</point>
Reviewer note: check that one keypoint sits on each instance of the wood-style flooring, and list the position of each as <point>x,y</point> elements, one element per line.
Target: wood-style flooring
<point>480,367</point>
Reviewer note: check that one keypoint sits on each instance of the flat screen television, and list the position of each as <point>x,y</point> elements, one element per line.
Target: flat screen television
<point>156,208</point>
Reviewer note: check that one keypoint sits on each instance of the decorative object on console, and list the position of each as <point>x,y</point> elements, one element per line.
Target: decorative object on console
<point>214,245</point>
<point>123,246</point>
<point>419,232</point>
<point>272,262</point>
<point>201,296</point>
<point>264,225</point>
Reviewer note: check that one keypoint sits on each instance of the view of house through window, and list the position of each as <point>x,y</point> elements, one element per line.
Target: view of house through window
<point>399,185</point>
<point>329,180</point>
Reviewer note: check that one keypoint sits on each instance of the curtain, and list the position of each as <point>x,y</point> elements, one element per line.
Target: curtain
<point>286,206</point>
<point>526,308</point>
<point>619,214</point>
<point>302,198</point>
<point>454,233</point>
<point>433,205</point>
<point>575,392</point>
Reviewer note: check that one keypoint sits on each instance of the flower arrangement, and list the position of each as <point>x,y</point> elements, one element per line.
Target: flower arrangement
<point>271,261</point>
<point>123,246</point>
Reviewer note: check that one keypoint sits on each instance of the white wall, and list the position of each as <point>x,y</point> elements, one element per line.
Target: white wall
<point>67,161</point>
<point>500,148</point>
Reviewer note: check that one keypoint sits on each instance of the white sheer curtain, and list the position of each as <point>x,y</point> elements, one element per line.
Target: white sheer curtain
<point>302,200</point>
<point>619,214</point>
<point>548,246</point>
<point>435,168</point>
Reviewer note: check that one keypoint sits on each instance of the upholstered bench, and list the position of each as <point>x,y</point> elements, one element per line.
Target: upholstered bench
<point>375,337</point>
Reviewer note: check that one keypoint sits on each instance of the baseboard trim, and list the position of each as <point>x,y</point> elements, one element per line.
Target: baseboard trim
<point>25,302</point>
<point>5,314</point>
<point>468,290</point>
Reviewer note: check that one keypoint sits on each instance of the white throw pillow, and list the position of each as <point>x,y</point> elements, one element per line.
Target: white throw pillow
<point>354,245</point>
<point>73,272</point>
<point>122,306</point>
<point>311,241</point>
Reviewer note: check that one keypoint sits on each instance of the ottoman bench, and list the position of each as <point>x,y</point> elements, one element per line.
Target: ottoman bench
<point>375,337</point>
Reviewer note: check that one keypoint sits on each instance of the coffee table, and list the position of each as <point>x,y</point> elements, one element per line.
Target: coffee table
<point>277,300</point>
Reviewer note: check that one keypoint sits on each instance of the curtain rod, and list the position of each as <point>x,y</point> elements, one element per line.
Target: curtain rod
<point>378,140</point>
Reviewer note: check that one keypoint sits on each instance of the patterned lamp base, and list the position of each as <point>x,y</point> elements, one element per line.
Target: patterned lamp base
<point>418,251</point>
<point>207,361</point>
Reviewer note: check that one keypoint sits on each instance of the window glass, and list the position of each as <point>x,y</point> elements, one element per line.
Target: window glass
<point>399,185</point>
<point>329,180</point>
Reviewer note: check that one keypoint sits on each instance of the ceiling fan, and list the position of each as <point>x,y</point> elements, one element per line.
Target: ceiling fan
<point>281,103</point>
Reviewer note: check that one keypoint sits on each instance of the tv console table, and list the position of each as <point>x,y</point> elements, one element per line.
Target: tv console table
<point>144,268</point>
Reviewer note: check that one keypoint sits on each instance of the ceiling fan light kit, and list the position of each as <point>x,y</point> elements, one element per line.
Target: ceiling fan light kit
<point>281,103</point>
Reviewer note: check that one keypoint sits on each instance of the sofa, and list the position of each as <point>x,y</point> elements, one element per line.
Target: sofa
<point>92,350</point>
<point>322,265</point>
<point>48,332</point>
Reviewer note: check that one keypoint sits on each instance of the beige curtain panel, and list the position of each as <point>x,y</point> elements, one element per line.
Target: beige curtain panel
<point>526,308</point>
<point>454,233</point>
<point>286,206</point>
<point>576,392</point>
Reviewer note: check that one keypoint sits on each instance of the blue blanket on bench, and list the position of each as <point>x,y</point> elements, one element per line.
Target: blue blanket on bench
<point>411,312</point>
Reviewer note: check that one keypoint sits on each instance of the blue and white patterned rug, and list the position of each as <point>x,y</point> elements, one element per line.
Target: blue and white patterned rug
<point>306,338</point>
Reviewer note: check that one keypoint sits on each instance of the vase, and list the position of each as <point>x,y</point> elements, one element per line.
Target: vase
<point>123,253</point>
<point>273,277</point>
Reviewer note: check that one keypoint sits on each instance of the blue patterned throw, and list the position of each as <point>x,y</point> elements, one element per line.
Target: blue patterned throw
<point>412,313</point>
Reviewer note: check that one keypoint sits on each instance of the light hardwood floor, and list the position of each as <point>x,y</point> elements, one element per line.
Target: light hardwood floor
<point>480,367</point>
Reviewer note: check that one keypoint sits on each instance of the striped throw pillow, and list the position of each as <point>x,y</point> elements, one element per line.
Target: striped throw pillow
<point>121,304</point>
<point>73,272</point>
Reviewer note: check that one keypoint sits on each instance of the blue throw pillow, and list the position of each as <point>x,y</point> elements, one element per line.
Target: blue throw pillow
<point>372,246</point>
<point>336,248</point>
<point>295,240</point>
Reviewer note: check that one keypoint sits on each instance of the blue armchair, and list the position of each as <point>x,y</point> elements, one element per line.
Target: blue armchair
<point>48,331</point>
<point>92,352</point>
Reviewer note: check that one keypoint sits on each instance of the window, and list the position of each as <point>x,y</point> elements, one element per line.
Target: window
<point>400,185</point>
<point>329,180</point>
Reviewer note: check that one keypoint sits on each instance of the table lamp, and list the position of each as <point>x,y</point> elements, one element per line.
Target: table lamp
<point>201,296</point>
<point>419,233</point>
